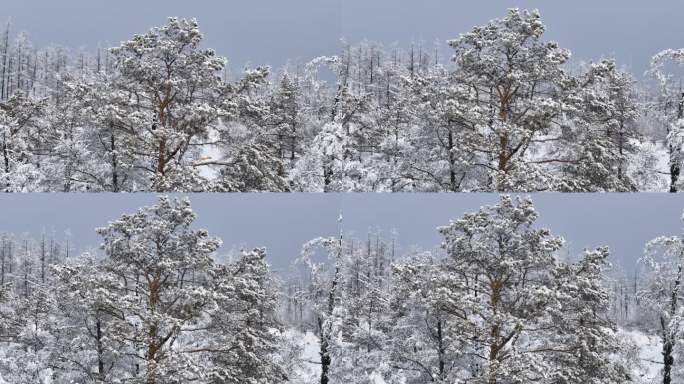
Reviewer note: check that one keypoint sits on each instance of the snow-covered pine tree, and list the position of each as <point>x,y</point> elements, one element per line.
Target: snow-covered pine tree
<point>583,341</point>
<point>161,265</point>
<point>245,329</point>
<point>20,131</point>
<point>502,266</point>
<point>92,308</point>
<point>426,333</point>
<point>174,318</point>
<point>323,295</point>
<point>519,91</point>
<point>670,107</point>
<point>251,167</point>
<point>662,294</point>
<point>601,143</point>
<point>285,115</point>
<point>155,308</point>
<point>176,90</point>
<point>159,113</point>
<point>443,159</point>
<point>504,282</point>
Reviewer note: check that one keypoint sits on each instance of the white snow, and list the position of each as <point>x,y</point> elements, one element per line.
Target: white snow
<point>310,369</point>
<point>649,350</point>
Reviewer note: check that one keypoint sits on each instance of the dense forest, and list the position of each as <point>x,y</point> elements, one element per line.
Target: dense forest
<point>497,299</point>
<point>497,302</point>
<point>505,110</point>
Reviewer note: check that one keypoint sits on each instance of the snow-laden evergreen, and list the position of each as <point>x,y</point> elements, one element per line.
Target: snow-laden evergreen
<point>497,302</point>
<point>510,111</point>
<point>157,308</point>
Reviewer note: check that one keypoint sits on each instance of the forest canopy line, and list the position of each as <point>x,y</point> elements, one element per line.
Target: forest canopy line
<point>495,304</point>
<point>506,113</point>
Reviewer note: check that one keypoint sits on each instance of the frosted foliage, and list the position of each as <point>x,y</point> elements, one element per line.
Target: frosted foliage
<point>157,308</point>
<point>511,111</point>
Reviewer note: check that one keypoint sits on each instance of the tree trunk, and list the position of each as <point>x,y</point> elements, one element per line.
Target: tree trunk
<point>161,152</point>
<point>440,347</point>
<point>8,93</point>
<point>152,333</point>
<point>668,359</point>
<point>494,346</point>
<point>10,258</point>
<point>161,157</point>
<point>115,171</point>
<point>100,350</point>
<point>3,93</point>
<point>621,150</point>
<point>675,159</point>
<point>452,161</point>
<point>5,153</point>
<point>327,176</point>
<point>668,344</point>
<point>325,356</point>
<point>293,148</point>
<point>674,176</point>
<point>2,279</point>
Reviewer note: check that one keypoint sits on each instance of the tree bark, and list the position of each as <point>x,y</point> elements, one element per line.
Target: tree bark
<point>3,93</point>
<point>325,355</point>
<point>668,344</point>
<point>452,161</point>
<point>675,159</point>
<point>115,161</point>
<point>100,349</point>
<point>494,346</point>
<point>440,347</point>
<point>668,359</point>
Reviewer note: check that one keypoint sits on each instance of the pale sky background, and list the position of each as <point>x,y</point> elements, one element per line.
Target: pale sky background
<point>283,222</point>
<point>271,31</point>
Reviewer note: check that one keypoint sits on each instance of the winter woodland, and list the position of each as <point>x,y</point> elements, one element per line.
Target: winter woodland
<point>499,108</point>
<point>504,110</point>
<point>496,303</point>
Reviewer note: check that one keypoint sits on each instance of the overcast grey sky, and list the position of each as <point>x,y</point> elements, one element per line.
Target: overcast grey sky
<point>283,222</point>
<point>271,31</point>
